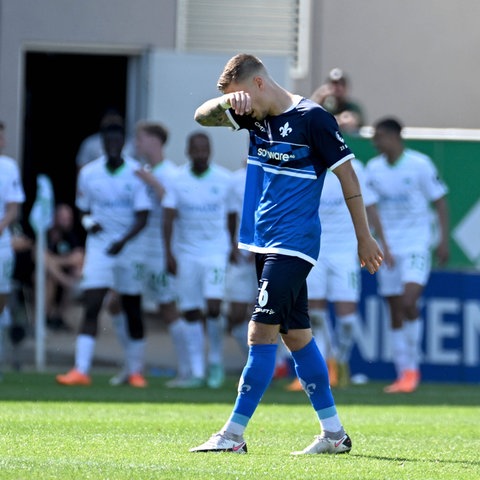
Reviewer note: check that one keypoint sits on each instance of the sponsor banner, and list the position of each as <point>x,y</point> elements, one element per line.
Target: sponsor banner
<point>451,341</point>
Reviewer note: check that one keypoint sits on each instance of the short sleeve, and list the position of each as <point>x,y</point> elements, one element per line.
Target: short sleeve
<point>431,183</point>
<point>82,201</point>
<point>326,140</point>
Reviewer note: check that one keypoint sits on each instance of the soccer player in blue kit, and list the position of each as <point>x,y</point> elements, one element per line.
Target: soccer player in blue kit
<point>292,142</point>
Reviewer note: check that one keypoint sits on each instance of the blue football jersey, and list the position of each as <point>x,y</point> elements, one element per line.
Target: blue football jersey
<point>287,160</point>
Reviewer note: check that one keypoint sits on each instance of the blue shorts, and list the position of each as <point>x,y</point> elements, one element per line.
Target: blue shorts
<point>282,291</point>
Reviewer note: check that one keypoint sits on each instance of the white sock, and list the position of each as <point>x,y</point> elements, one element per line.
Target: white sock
<point>322,331</point>
<point>119,323</point>
<point>215,334</point>
<point>346,325</point>
<point>177,334</point>
<point>85,347</point>
<point>240,334</point>
<point>399,350</point>
<point>331,424</point>
<point>195,343</point>
<point>136,356</point>
<point>233,427</point>
<point>413,335</point>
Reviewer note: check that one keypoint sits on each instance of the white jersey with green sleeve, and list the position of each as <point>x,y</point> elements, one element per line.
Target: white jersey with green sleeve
<point>202,204</point>
<point>112,198</point>
<point>404,192</point>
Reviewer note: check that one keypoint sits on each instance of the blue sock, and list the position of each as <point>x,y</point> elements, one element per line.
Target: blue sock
<point>256,377</point>
<point>313,373</point>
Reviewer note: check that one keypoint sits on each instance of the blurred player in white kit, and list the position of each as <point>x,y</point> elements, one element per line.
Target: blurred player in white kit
<point>200,214</point>
<point>115,207</point>
<point>405,183</point>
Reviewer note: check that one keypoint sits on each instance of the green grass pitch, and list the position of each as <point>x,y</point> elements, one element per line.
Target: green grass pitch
<point>102,432</point>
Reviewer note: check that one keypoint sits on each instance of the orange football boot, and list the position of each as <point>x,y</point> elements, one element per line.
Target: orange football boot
<point>137,380</point>
<point>74,377</point>
<point>407,383</point>
<point>411,379</point>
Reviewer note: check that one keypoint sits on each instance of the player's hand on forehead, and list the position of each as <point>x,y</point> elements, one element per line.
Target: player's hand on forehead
<point>240,101</point>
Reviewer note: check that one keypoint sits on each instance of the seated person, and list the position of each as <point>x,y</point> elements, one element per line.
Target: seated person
<point>63,264</point>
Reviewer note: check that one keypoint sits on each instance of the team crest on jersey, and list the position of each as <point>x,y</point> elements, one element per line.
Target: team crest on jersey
<point>285,130</point>
<point>339,137</point>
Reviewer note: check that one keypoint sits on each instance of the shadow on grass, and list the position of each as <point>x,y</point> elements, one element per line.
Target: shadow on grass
<point>435,461</point>
<point>42,387</point>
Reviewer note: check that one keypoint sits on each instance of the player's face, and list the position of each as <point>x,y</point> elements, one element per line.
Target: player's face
<point>113,143</point>
<point>199,153</point>
<point>144,143</point>
<point>382,140</point>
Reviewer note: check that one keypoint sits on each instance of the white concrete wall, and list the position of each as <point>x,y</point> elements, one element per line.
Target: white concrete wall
<point>417,59</point>
<point>103,26</point>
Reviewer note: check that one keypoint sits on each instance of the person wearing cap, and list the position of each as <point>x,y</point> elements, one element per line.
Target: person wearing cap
<point>334,97</point>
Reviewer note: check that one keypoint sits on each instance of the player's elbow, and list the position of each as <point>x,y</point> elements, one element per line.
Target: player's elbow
<point>199,117</point>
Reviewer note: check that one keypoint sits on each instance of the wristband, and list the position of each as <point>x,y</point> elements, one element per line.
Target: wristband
<point>88,222</point>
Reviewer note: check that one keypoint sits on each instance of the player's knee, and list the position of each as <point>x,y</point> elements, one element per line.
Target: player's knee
<point>133,310</point>
<point>193,315</point>
<point>347,322</point>
<point>90,322</point>
<point>169,312</point>
<point>317,319</point>
<point>112,302</point>
<point>89,326</point>
<point>213,308</point>
<point>410,308</point>
<point>135,329</point>
<point>213,313</point>
<point>411,312</point>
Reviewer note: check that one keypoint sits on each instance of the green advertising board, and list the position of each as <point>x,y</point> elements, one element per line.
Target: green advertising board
<point>458,162</point>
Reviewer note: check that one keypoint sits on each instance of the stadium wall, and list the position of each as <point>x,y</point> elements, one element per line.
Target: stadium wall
<point>412,59</point>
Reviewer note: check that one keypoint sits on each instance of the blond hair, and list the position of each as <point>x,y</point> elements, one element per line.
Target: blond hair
<point>239,68</point>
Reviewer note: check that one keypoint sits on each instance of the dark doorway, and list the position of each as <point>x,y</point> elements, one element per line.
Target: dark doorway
<point>65,96</point>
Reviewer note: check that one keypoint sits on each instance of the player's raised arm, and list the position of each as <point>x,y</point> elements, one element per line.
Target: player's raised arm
<point>212,113</point>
